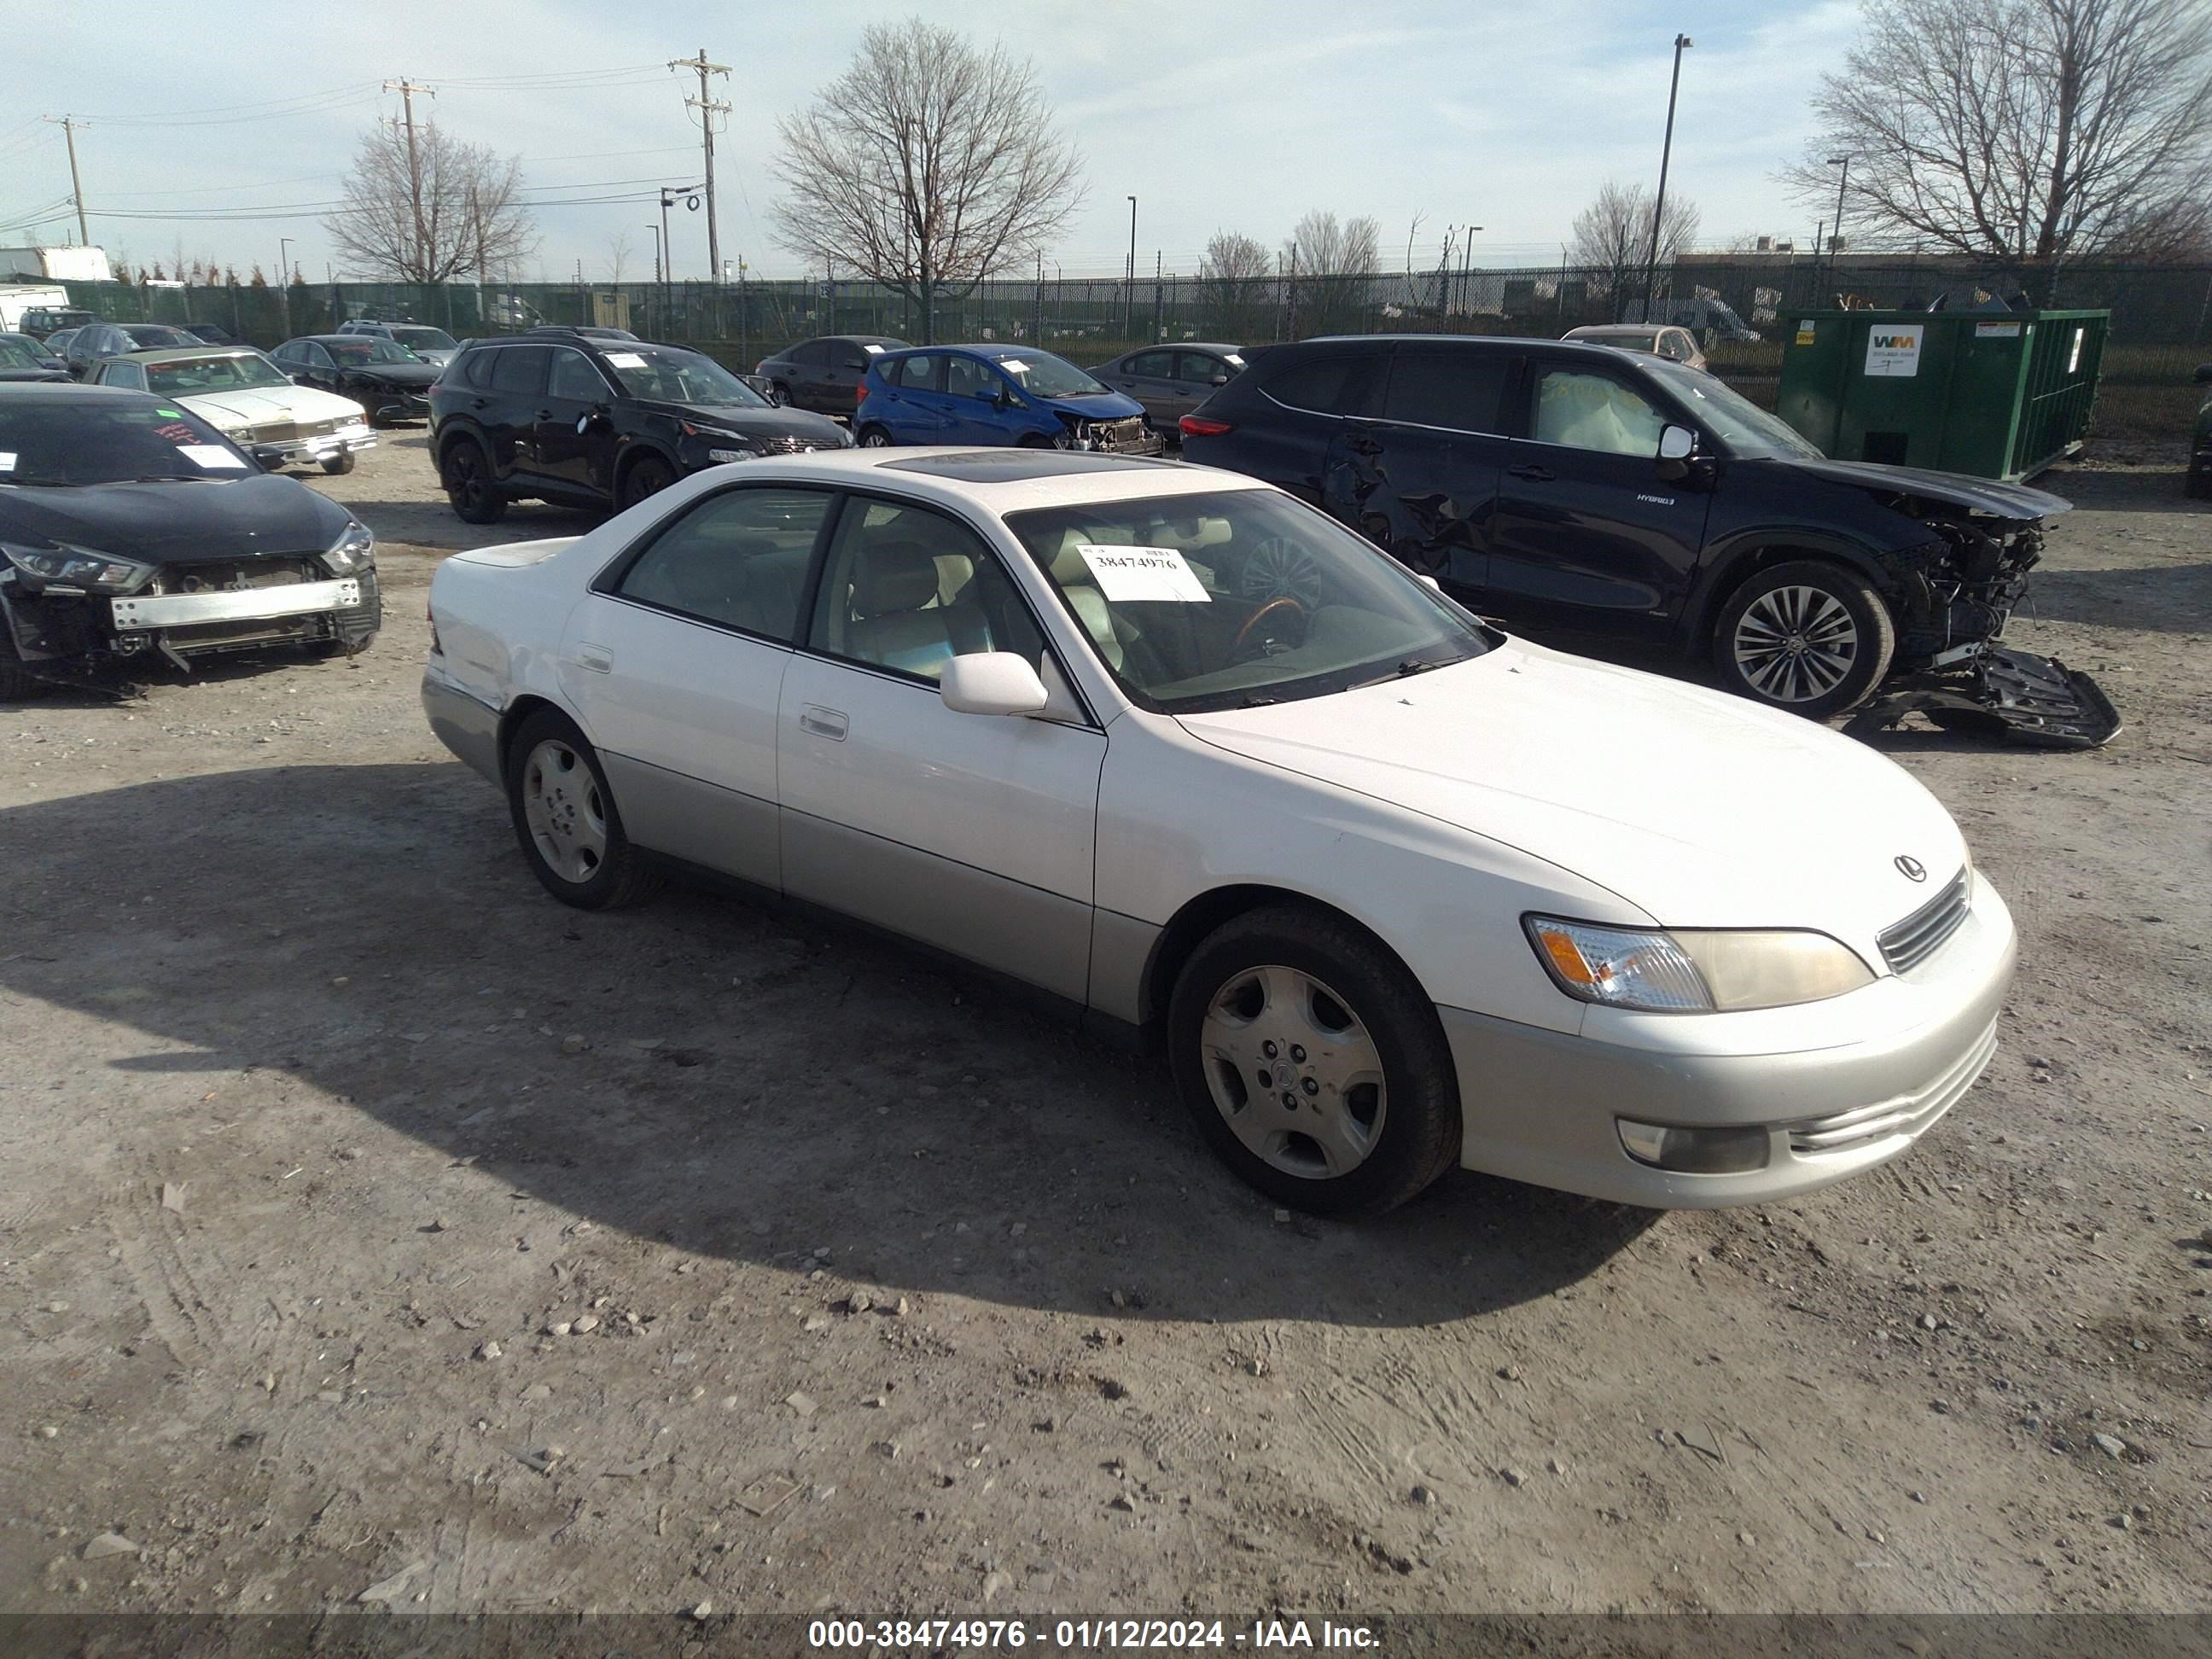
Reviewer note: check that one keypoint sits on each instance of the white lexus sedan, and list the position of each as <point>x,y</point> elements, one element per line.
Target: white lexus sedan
<point>1396,890</point>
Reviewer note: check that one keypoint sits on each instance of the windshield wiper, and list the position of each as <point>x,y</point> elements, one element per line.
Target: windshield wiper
<point>1257,699</point>
<point>1405,669</point>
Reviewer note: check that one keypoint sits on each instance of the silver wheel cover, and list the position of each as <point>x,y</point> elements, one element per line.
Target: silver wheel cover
<point>564,812</point>
<point>1293,1073</point>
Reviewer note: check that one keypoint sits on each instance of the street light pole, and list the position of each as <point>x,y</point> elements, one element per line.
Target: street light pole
<point>284,279</point>
<point>1129,292</point>
<point>1665,153</point>
<point>1845,162</point>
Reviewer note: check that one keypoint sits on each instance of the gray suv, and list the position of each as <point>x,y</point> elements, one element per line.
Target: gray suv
<point>432,345</point>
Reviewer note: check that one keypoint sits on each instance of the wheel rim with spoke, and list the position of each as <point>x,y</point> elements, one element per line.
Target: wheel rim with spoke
<point>564,811</point>
<point>1294,1072</point>
<point>1796,643</point>
<point>467,477</point>
<point>874,440</point>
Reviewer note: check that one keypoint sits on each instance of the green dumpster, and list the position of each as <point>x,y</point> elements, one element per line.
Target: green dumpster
<point>1994,394</point>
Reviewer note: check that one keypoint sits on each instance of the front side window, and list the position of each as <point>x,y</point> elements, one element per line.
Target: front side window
<point>738,559</point>
<point>966,378</point>
<point>1235,598</point>
<point>359,350</point>
<point>574,378</point>
<point>907,590</point>
<point>1459,389</point>
<point>1201,369</point>
<point>1581,410</point>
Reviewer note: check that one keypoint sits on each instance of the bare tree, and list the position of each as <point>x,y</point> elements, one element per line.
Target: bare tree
<point>928,165</point>
<point>1323,247</point>
<point>1613,234</point>
<point>1233,283</point>
<point>618,252</point>
<point>2023,132</point>
<point>428,208</point>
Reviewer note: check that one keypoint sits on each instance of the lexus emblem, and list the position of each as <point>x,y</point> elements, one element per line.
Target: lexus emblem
<point>1910,867</point>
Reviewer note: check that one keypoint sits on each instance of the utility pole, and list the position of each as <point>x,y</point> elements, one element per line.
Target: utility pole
<point>407,89</point>
<point>1666,153</point>
<point>69,125</point>
<point>709,108</point>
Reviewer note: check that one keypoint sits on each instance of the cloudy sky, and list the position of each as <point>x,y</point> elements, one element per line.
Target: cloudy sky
<point>211,123</point>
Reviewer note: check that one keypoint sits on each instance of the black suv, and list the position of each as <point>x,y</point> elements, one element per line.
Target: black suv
<point>824,374</point>
<point>1590,491</point>
<point>590,423</point>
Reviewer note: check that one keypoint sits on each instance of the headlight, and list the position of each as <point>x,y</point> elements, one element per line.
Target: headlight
<point>78,566</point>
<point>354,550</point>
<point>242,436</point>
<point>1695,971</point>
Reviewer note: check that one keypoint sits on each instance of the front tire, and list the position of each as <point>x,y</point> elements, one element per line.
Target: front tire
<point>779,394</point>
<point>16,682</point>
<point>1313,1062</point>
<point>565,818</point>
<point>338,465</point>
<point>1808,637</point>
<point>467,474</point>
<point>648,475</point>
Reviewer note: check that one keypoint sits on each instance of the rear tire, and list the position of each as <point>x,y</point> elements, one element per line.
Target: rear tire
<point>1807,637</point>
<point>1290,1004</point>
<point>565,819</point>
<point>467,474</point>
<point>780,393</point>
<point>874,437</point>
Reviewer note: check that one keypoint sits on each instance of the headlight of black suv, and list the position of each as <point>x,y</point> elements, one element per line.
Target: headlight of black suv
<point>66,567</point>
<point>354,550</point>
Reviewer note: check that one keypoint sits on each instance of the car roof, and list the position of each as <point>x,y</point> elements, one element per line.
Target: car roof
<point>1186,345</point>
<point>998,481</point>
<point>42,389</point>
<point>181,354</point>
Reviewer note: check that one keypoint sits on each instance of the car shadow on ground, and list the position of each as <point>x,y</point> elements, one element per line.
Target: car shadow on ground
<point>2130,489</point>
<point>2167,599</point>
<point>432,524</point>
<point>698,1070</point>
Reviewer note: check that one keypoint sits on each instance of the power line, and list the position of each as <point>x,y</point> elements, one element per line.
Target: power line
<point>69,125</point>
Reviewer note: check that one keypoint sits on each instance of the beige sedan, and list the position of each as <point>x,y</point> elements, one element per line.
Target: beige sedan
<point>1677,344</point>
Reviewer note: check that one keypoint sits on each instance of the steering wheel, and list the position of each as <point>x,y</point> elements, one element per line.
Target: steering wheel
<point>1278,602</point>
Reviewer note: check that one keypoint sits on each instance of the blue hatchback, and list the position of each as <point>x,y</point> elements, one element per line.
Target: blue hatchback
<point>995,394</point>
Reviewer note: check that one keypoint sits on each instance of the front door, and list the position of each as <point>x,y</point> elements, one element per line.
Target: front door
<point>674,663</point>
<point>572,443</point>
<point>1421,479</point>
<point>971,833</point>
<point>972,415</point>
<point>1588,536</point>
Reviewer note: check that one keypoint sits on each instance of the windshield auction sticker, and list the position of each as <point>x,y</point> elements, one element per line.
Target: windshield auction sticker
<point>625,359</point>
<point>1141,575</point>
<point>211,456</point>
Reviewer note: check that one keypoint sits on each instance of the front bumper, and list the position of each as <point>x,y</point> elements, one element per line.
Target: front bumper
<point>69,637</point>
<point>312,451</point>
<point>254,604</point>
<point>391,404</point>
<point>1544,1106</point>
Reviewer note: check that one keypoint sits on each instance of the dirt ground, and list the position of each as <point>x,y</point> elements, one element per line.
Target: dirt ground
<point>369,1222</point>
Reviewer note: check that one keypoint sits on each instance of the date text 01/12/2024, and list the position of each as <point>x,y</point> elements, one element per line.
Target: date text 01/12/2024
<point>1259,1635</point>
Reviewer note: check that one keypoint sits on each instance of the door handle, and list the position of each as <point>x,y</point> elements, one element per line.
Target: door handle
<point>597,658</point>
<point>823,722</point>
<point>1533,474</point>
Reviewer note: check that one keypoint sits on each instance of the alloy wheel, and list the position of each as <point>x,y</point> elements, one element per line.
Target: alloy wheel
<point>1294,1072</point>
<point>562,806</point>
<point>1794,644</point>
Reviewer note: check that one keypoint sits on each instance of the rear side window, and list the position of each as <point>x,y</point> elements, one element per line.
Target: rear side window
<point>1324,386</point>
<point>474,369</point>
<point>813,354</point>
<point>737,559</point>
<point>1152,365</point>
<point>917,374</point>
<point>1459,389</point>
<point>520,369</point>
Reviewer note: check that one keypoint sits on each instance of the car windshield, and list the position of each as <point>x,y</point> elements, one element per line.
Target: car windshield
<point>424,339</point>
<point>1047,376</point>
<point>14,354</point>
<point>93,440</point>
<point>1737,422</point>
<point>231,371</point>
<point>154,336</point>
<point>1629,339</point>
<point>367,348</point>
<point>1236,597</point>
<point>676,376</point>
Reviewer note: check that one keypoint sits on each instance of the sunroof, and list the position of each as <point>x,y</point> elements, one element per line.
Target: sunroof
<point>1015,465</point>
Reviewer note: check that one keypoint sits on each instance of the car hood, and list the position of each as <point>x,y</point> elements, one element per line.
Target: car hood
<point>1700,809</point>
<point>394,373</point>
<point>180,520</point>
<point>1092,406</point>
<point>2003,501</point>
<point>750,421</point>
<point>253,405</point>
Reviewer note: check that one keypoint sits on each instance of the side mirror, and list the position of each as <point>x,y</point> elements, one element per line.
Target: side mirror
<point>1677,443</point>
<point>1002,399</point>
<point>1218,380</point>
<point>992,683</point>
<point>2204,373</point>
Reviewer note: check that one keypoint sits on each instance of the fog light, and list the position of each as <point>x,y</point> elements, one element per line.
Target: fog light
<point>1696,1152</point>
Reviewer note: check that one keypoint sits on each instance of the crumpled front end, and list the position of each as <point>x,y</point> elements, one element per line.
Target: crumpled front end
<point>1958,591</point>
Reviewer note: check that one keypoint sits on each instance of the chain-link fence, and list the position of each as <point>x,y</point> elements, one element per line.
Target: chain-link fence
<point>2161,314</point>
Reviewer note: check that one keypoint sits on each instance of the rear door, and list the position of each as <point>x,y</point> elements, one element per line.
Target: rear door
<point>1149,377</point>
<point>919,413</point>
<point>1420,478</point>
<point>1198,376</point>
<point>1286,430</point>
<point>674,663</point>
<point>1588,537</point>
<point>810,386</point>
<point>510,415</point>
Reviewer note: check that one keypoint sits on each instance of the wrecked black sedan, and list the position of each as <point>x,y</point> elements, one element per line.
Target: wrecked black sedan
<point>1578,490</point>
<point>131,530</point>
